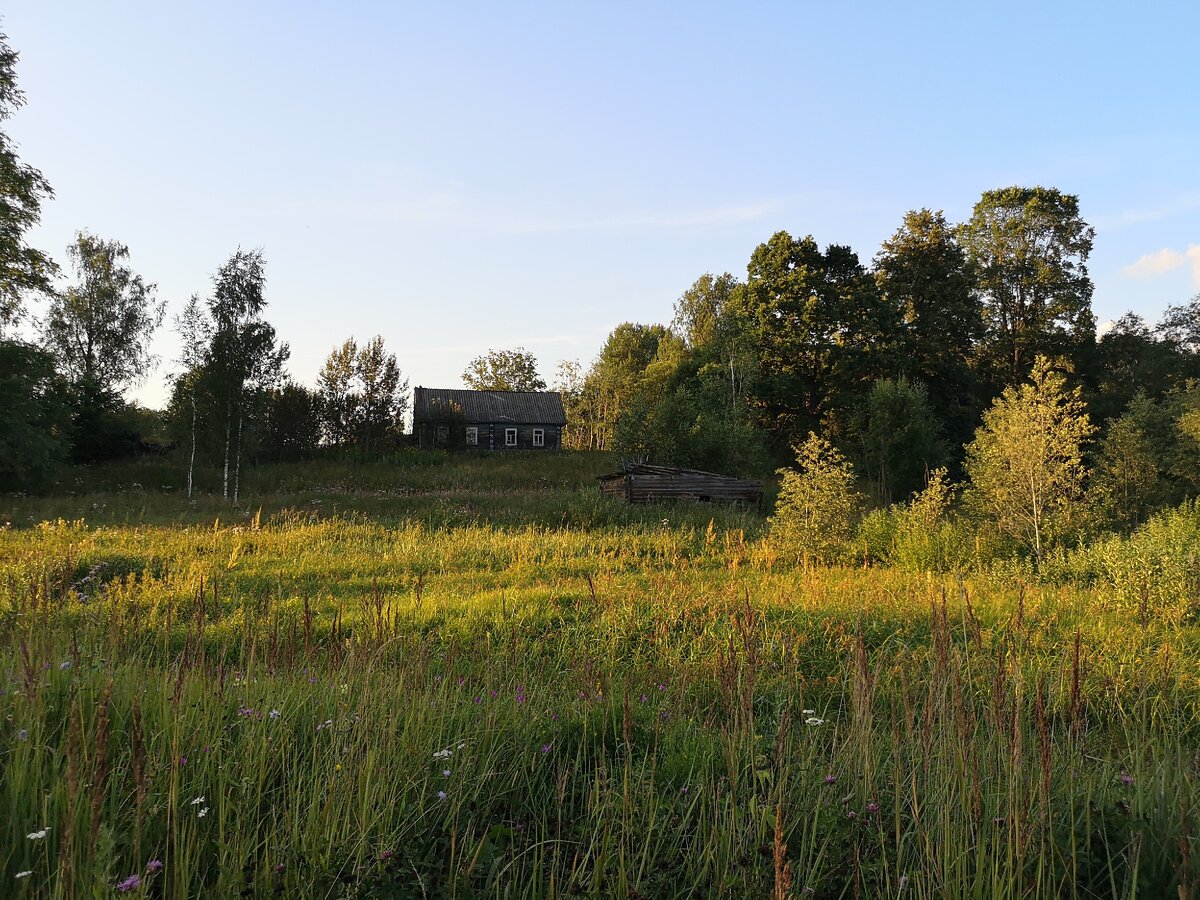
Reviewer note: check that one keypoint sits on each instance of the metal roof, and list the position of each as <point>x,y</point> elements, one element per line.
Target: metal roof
<point>521,407</point>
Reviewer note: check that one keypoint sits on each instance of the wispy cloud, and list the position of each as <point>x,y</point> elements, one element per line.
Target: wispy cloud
<point>1139,215</point>
<point>1151,265</point>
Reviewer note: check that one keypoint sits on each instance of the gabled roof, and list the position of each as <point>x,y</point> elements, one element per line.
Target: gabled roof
<point>520,407</point>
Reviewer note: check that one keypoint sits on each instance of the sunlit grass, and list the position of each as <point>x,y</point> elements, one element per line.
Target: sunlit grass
<point>395,706</point>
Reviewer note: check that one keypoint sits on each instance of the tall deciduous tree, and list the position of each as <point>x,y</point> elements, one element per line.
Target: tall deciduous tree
<point>243,356</point>
<point>504,370</point>
<point>1026,462</point>
<point>22,190</point>
<point>99,328</point>
<point>1029,248</point>
<point>361,396</point>
<point>819,327</point>
<point>195,334</point>
<point>925,276</point>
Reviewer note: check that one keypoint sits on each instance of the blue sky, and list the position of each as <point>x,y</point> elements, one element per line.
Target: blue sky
<point>464,176</point>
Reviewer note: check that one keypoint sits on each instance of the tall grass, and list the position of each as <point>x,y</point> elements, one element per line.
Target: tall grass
<point>299,704</point>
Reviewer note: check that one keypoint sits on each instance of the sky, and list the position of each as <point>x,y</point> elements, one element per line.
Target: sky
<point>462,176</point>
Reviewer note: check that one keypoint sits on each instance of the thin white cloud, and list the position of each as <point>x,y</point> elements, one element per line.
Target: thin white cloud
<point>1153,264</point>
<point>1124,218</point>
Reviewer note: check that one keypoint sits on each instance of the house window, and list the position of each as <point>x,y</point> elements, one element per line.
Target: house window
<point>472,437</point>
<point>539,437</point>
<point>443,436</point>
<point>510,437</point>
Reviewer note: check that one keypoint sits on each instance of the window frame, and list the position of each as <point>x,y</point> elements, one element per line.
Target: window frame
<point>539,437</point>
<point>472,435</point>
<point>507,432</point>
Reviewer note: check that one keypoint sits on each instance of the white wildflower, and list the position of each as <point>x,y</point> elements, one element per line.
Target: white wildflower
<point>198,801</point>
<point>25,874</point>
<point>202,813</point>
<point>813,720</point>
<point>38,835</point>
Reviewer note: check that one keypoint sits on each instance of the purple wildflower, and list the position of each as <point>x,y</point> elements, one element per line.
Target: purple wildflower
<point>441,795</point>
<point>1125,779</point>
<point>155,865</point>
<point>132,883</point>
<point>386,855</point>
<point>872,807</point>
<point>545,748</point>
<point>23,734</point>
<point>830,779</point>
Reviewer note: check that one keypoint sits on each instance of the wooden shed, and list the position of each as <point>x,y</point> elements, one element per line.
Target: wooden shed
<point>647,484</point>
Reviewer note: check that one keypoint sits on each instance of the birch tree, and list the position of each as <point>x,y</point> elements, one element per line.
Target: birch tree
<point>1026,462</point>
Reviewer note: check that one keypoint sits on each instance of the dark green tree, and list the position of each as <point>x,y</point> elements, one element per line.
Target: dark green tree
<point>1029,248</point>
<point>897,438</point>
<point>22,189</point>
<point>924,274</point>
<point>820,330</point>
<point>35,420</point>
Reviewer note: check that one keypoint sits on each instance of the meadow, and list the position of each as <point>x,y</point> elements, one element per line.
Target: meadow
<point>435,677</point>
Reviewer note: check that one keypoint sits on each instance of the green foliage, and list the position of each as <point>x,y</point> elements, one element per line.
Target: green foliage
<point>1026,462</point>
<point>1150,576</point>
<point>35,423</point>
<point>1029,249</point>
<point>897,437</point>
<point>635,363</point>
<point>292,426</point>
<point>814,515</point>
<point>923,272</point>
<point>504,370</point>
<point>818,327</point>
<point>22,190</point>
<point>99,328</point>
<point>361,398</point>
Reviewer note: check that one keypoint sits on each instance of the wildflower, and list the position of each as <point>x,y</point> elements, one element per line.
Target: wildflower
<point>441,795</point>
<point>245,711</point>
<point>445,773</point>
<point>279,867</point>
<point>64,665</point>
<point>478,700</point>
<point>831,779</point>
<point>328,723</point>
<point>25,874</point>
<point>132,883</point>
<point>443,754</point>
<point>182,761</point>
<point>872,807</point>
<point>852,815</point>
<point>198,800</point>
<point>275,714</point>
<point>155,865</point>
<point>461,745</point>
<point>683,790</point>
<point>202,813</point>
<point>644,698</point>
<point>337,767</point>
<point>23,734</point>
<point>903,882</point>
<point>1125,779</point>
<point>808,712</point>
<point>813,720</point>
<point>38,835</point>
<point>545,748</point>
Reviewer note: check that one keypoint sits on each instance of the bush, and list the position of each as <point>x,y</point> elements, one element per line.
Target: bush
<point>815,514</point>
<point>1154,573</point>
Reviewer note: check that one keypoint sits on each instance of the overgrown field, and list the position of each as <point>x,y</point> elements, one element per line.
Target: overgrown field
<point>476,679</point>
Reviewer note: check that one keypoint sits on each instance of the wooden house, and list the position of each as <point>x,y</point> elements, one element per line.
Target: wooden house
<point>647,484</point>
<point>488,420</point>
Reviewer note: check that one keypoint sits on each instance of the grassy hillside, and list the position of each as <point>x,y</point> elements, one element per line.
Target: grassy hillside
<point>477,678</point>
